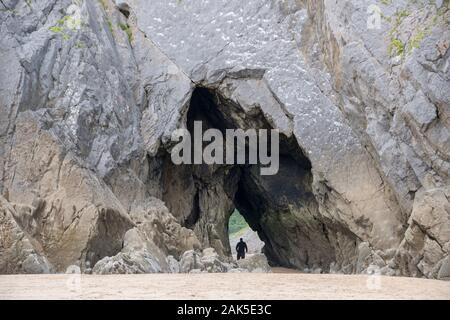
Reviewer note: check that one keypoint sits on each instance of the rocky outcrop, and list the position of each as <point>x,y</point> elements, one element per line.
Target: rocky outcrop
<point>388,80</point>
<point>153,246</point>
<point>254,244</point>
<point>427,239</point>
<point>206,261</point>
<point>91,92</point>
<point>209,261</point>
<point>71,215</point>
<point>17,254</point>
<point>134,258</point>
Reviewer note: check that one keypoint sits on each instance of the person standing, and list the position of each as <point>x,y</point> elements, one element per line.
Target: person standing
<point>241,249</point>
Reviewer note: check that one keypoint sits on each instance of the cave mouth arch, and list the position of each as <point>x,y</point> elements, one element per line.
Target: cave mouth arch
<point>239,228</point>
<point>281,208</point>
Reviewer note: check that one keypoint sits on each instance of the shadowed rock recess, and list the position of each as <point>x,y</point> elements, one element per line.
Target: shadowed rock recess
<point>91,92</point>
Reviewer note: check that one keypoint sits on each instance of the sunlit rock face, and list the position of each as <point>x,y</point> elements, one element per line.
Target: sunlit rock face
<point>91,92</point>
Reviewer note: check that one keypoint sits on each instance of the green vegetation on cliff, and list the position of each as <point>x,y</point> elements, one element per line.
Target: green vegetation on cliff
<point>236,223</point>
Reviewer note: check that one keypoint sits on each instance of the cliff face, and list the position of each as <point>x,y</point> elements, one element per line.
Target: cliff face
<point>91,92</point>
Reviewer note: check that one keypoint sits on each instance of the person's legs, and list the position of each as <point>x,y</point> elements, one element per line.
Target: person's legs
<point>239,255</point>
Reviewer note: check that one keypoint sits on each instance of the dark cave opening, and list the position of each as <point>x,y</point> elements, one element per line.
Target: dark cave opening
<point>238,228</point>
<point>281,208</point>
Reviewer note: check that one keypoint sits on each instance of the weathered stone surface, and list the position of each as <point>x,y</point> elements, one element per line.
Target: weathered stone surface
<point>431,212</point>
<point>254,263</point>
<point>190,260</point>
<point>88,104</point>
<point>150,246</point>
<point>174,265</point>
<point>134,258</point>
<point>17,254</point>
<point>254,243</point>
<point>444,270</point>
<point>206,261</point>
<point>65,209</point>
<point>367,258</point>
<point>155,221</point>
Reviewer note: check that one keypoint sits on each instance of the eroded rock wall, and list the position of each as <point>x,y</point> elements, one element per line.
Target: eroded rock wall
<point>391,82</point>
<point>88,104</point>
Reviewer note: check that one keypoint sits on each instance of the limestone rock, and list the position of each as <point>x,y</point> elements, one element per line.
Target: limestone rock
<point>174,265</point>
<point>367,258</point>
<point>431,212</point>
<point>159,225</point>
<point>124,263</point>
<point>206,261</point>
<point>17,254</point>
<point>89,102</point>
<point>190,260</point>
<point>237,270</point>
<point>135,257</point>
<point>254,263</point>
<point>444,270</point>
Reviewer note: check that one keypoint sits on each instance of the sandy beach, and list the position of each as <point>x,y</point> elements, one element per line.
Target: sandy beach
<point>276,285</point>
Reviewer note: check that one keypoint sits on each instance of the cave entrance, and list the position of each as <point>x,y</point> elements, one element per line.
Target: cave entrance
<point>239,228</point>
<point>281,208</point>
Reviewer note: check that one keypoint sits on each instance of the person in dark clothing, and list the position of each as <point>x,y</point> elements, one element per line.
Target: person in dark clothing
<point>241,249</point>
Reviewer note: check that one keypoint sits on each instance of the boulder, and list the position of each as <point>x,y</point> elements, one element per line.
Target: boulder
<point>190,260</point>
<point>174,265</point>
<point>206,261</point>
<point>138,255</point>
<point>254,263</point>
<point>127,263</point>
